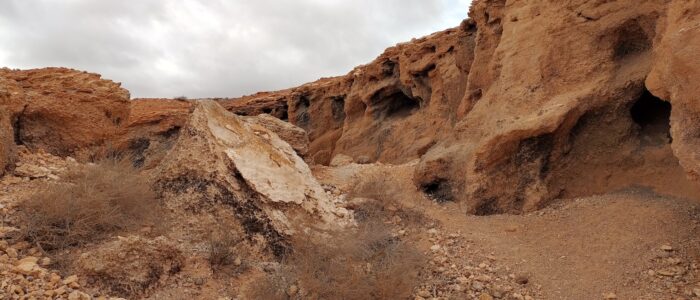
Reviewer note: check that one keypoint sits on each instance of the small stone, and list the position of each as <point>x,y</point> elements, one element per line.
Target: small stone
<point>45,261</point>
<point>27,268</point>
<point>610,296</point>
<point>11,252</point>
<point>485,296</point>
<point>199,281</point>
<point>517,296</point>
<point>483,265</point>
<point>477,286</point>
<point>529,298</point>
<point>292,290</point>
<point>424,294</point>
<point>435,248</point>
<point>483,278</point>
<point>696,292</point>
<point>651,273</point>
<point>237,262</point>
<point>70,279</point>
<point>667,248</point>
<point>76,295</point>
<point>522,279</point>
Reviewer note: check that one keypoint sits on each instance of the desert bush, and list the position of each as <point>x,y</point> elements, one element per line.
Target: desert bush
<point>221,248</point>
<point>90,202</point>
<point>389,196</point>
<point>367,263</point>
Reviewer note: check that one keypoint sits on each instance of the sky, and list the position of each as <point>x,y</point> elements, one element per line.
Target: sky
<point>213,48</point>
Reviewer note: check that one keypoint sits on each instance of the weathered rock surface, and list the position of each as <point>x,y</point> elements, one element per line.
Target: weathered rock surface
<point>11,102</point>
<point>220,157</point>
<point>392,109</point>
<point>65,111</point>
<point>293,135</point>
<point>563,110</point>
<point>520,104</point>
<point>131,265</point>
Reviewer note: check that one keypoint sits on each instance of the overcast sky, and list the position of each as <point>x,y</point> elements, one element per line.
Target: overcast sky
<point>213,48</point>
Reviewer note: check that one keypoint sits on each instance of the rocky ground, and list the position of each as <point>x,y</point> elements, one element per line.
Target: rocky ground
<point>633,244</point>
<point>539,150</point>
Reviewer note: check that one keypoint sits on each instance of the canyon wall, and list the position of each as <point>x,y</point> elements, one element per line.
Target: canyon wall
<point>524,102</point>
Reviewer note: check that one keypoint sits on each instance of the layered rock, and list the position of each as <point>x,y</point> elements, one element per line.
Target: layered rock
<point>560,108</point>
<point>392,109</point>
<point>219,157</point>
<point>11,104</point>
<point>66,111</point>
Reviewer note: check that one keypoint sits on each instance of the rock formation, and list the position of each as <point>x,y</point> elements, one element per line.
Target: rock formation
<point>567,113</point>
<point>10,106</point>
<point>520,104</point>
<point>219,157</point>
<point>513,109</point>
<point>65,111</point>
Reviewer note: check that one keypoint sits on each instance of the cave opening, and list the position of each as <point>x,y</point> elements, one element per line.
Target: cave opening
<point>438,190</point>
<point>653,116</point>
<point>396,105</point>
<point>338,108</point>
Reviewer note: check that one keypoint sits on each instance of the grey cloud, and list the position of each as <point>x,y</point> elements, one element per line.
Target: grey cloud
<point>199,48</point>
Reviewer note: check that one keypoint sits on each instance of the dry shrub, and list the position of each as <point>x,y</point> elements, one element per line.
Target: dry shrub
<point>91,201</point>
<point>365,264</point>
<point>388,195</point>
<point>221,248</point>
<point>382,187</point>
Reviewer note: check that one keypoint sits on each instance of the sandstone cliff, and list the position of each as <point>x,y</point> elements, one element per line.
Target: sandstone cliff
<point>64,111</point>
<point>520,104</point>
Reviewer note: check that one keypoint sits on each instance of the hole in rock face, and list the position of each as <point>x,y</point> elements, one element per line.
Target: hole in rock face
<point>438,190</point>
<point>653,117</point>
<point>302,107</point>
<point>338,108</point>
<point>396,105</point>
<point>631,40</point>
<point>267,110</point>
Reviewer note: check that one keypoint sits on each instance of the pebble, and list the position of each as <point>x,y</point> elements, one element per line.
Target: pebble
<point>485,296</point>
<point>435,248</point>
<point>424,294</point>
<point>610,296</point>
<point>292,290</point>
<point>667,248</point>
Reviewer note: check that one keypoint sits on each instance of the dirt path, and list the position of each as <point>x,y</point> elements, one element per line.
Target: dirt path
<point>633,243</point>
<point>586,248</point>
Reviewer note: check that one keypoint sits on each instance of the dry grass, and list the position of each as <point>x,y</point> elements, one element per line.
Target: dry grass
<point>365,264</point>
<point>221,248</point>
<point>90,202</point>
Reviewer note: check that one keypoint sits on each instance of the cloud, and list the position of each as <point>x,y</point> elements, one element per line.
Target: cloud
<point>210,48</point>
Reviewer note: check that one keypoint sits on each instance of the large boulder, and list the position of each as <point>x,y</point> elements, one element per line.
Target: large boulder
<point>154,125</point>
<point>219,157</point>
<point>68,112</point>
<point>293,135</point>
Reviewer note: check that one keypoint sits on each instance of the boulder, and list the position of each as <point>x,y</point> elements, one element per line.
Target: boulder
<point>293,135</point>
<point>220,157</point>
